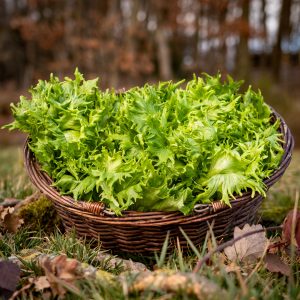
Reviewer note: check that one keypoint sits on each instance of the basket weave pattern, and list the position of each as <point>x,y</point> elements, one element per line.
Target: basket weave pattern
<point>144,232</point>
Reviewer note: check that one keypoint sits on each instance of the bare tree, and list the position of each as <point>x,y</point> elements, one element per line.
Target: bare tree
<point>243,60</point>
<point>284,29</point>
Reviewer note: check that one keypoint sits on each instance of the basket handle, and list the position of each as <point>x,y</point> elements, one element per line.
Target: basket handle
<point>93,207</point>
<point>212,207</point>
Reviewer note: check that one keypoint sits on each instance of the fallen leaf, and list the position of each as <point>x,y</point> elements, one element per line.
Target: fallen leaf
<point>9,220</point>
<point>66,268</point>
<point>9,278</point>
<point>61,272</point>
<point>59,265</point>
<point>249,248</point>
<point>41,283</point>
<point>275,265</point>
<point>288,228</point>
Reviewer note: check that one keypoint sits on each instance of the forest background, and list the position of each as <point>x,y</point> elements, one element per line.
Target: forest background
<point>131,42</point>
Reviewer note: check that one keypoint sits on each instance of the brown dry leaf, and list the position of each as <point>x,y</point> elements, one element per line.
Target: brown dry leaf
<point>249,248</point>
<point>72,268</point>
<point>9,220</point>
<point>5,211</point>
<point>9,276</point>
<point>275,265</point>
<point>66,268</point>
<point>41,283</point>
<point>288,228</point>
<point>61,273</point>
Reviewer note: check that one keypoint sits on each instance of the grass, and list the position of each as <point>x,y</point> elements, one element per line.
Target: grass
<point>239,284</point>
<point>68,244</point>
<point>13,244</point>
<point>14,182</point>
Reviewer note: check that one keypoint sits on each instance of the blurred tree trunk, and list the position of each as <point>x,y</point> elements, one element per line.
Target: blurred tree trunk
<point>135,5</point>
<point>2,14</point>
<point>163,54</point>
<point>243,59</point>
<point>264,16</point>
<point>31,51</point>
<point>3,31</point>
<point>222,36</point>
<point>197,11</point>
<point>162,40</point>
<point>284,29</point>
<point>113,80</point>
<point>264,30</point>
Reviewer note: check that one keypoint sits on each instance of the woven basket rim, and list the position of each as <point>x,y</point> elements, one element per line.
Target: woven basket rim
<point>95,209</point>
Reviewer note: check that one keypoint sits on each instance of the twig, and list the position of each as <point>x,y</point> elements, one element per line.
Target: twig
<point>220,248</point>
<point>10,202</point>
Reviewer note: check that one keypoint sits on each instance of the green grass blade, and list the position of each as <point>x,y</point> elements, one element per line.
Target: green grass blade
<point>191,244</point>
<point>160,261</point>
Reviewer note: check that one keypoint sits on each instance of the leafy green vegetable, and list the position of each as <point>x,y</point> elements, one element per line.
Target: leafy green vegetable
<point>162,147</point>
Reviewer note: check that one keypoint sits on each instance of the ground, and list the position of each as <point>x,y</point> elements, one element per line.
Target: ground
<point>114,278</point>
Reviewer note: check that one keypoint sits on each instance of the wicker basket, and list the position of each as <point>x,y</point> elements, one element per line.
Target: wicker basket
<point>144,232</point>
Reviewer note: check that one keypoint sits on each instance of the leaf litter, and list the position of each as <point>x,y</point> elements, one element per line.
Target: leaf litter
<point>9,220</point>
<point>275,264</point>
<point>249,248</point>
<point>291,228</point>
<point>9,278</point>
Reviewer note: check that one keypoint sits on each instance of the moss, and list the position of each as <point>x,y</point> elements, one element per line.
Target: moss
<point>40,215</point>
<point>274,209</point>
